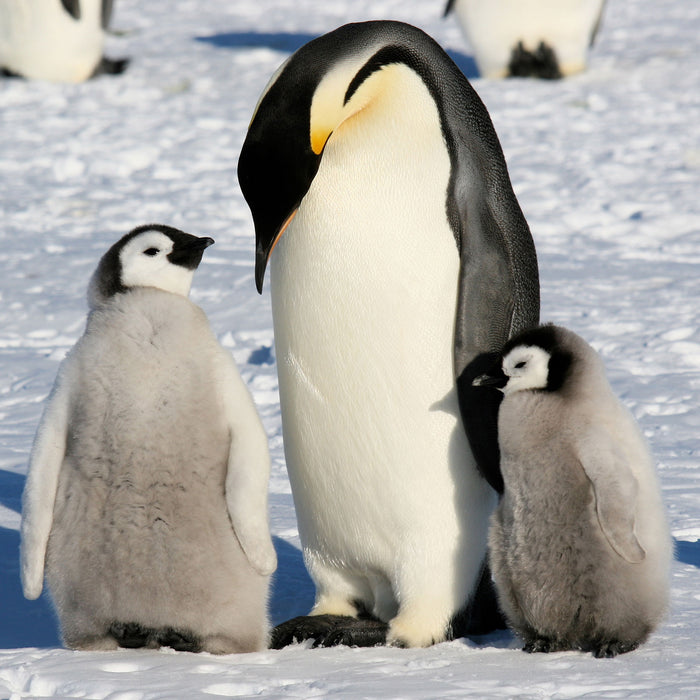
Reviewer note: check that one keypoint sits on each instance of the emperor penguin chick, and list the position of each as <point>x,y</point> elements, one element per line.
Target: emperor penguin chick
<point>579,544</point>
<point>146,497</point>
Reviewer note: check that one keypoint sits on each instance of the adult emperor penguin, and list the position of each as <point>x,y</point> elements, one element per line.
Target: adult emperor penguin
<point>55,40</point>
<point>404,254</point>
<point>580,547</point>
<point>146,496</point>
<point>538,38</point>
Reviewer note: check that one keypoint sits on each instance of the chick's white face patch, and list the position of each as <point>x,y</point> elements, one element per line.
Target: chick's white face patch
<point>144,263</point>
<point>527,367</point>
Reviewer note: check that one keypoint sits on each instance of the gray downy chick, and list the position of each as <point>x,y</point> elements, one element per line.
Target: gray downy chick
<point>580,548</point>
<point>145,504</point>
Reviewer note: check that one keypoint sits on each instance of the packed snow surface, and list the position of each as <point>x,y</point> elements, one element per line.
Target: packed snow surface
<point>606,166</point>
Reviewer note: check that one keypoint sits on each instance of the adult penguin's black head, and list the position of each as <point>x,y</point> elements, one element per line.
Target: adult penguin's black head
<point>328,81</point>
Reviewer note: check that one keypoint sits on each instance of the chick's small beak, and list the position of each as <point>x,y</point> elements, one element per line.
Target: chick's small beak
<point>496,381</point>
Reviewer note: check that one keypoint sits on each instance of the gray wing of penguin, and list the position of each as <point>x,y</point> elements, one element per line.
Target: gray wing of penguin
<point>499,280</point>
<point>248,469</point>
<point>40,488</point>
<point>499,292</point>
<point>615,491</point>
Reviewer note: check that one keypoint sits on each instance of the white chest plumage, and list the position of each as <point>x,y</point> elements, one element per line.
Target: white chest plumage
<point>364,291</point>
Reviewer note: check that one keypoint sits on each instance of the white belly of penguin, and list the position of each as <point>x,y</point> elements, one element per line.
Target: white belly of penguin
<point>364,290</point>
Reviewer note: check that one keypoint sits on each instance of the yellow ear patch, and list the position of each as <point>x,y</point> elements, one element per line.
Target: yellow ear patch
<point>327,108</point>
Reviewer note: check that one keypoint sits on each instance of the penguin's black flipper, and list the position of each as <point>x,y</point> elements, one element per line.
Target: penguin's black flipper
<point>479,406</point>
<point>330,630</point>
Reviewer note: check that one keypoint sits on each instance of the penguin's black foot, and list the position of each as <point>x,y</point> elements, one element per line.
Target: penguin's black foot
<point>179,640</point>
<point>611,648</point>
<point>330,630</point>
<point>132,635</point>
<point>111,66</point>
<point>539,645</point>
<point>541,63</point>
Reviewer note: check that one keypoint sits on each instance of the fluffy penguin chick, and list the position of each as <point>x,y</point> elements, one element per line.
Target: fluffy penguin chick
<point>580,546</point>
<point>146,497</point>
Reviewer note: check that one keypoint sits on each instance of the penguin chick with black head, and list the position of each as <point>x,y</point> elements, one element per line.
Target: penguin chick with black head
<point>580,547</point>
<point>397,252</point>
<point>145,504</point>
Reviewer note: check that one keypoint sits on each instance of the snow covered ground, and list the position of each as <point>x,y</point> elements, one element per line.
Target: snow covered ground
<point>607,169</point>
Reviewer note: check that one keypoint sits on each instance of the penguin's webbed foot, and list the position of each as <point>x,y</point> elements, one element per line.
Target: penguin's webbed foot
<point>541,63</point>
<point>179,640</point>
<point>111,66</point>
<point>132,635</point>
<point>330,630</point>
<point>539,645</point>
<point>611,648</point>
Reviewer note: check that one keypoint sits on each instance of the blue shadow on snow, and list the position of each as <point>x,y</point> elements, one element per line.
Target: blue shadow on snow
<point>284,41</point>
<point>292,592</point>
<point>278,41</point>
<point>23,623</point>
<point>11,486</point>
<point>688,552</point>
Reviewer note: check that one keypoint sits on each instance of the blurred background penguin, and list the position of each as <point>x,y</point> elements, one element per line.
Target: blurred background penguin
<point>55,40</point>
<point>529,38</point>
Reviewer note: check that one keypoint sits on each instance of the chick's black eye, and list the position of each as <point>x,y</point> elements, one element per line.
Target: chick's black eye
<point>520,364</point>
<point>151,251</point>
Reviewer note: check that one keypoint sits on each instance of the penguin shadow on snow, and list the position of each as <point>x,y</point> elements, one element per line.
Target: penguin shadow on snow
<point>278,41</point>
<point>292,590</point>
<point>288,42</point>
<point>23,623</point>
<point>687,552</point>
<point>465,63</point>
